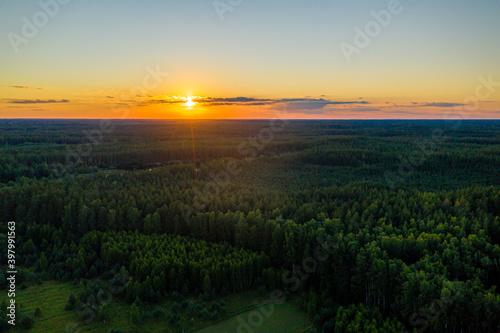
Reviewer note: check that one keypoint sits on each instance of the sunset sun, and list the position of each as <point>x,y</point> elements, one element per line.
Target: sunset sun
<point>190,102</point>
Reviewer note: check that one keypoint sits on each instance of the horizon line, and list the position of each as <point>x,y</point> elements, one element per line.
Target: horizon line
<point>250,119</point>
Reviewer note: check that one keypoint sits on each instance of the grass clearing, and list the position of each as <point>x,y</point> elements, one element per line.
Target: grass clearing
<point>284,318</point>
<point>51,297</point>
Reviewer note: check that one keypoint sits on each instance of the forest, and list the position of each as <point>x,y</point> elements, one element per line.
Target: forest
<point>364,226</point>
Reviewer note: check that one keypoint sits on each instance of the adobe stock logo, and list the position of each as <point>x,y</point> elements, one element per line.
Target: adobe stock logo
<point>30,29</point>
<point>221,7</point>
<point>363,37</point>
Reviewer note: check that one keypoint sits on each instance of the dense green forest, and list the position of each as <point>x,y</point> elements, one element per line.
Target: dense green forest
<point>369,226</point>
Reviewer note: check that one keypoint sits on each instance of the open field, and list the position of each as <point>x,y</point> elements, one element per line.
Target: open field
<point>283,319</point>
<point>51,297</point>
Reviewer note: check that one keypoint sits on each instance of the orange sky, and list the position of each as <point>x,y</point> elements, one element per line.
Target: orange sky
<point>128,59</point>
<point>129,105</point>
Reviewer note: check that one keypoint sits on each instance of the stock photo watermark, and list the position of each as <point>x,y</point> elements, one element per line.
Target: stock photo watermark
<point>224,6</point>
<point>292,279</point>
<point>74,157</point>
<point>408,166</point>
<point>425,317</point>
<point>32,26</point>
<point>11,272</point>
<point>249,148</point>
<point>89,308</point>
<point>371,30</point>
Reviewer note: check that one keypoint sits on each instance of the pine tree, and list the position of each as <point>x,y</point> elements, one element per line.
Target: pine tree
<point>134,315</point>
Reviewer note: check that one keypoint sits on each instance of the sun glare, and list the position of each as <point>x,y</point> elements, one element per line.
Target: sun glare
<point>190,102</point>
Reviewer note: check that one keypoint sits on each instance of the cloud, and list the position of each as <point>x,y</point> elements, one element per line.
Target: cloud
<point>407,112</point>
<point>28,88</point>
<point>354,109</point>
<point>35,101</point>
<point>425,105</point>
<point>294,103</point>
<point>436,105</point>
<point>443,105</point>
<point>320,106</point>
<point>215,101</point>
<point>306,105</point>
<point>238,100</point>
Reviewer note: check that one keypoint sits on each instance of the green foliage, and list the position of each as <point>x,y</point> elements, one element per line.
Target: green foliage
<point>347,217</point>
<point>134,315</point>
<point>26,322</point>
<point>43,261</point>
<point>359,319</point>
<point>71,304</point>
<point>116,330</point>
<point>103,312</point>
<point>207,285</point>
<point>4,325</point>
<point>204,313</point>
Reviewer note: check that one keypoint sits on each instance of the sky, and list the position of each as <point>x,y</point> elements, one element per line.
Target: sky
<point>250,59</point>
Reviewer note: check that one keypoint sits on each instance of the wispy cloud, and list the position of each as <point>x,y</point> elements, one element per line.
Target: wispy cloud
<point>443,105</point>
<point>35,101</point>
<point>406,112</point>
<point>434,104</point>
<point>235,101</point>
<point>209,101</point>
<point>295,104</point>
<point>29,88</point>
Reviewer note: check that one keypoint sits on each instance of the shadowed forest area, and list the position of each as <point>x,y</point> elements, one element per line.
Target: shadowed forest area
<point>362,226</point>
